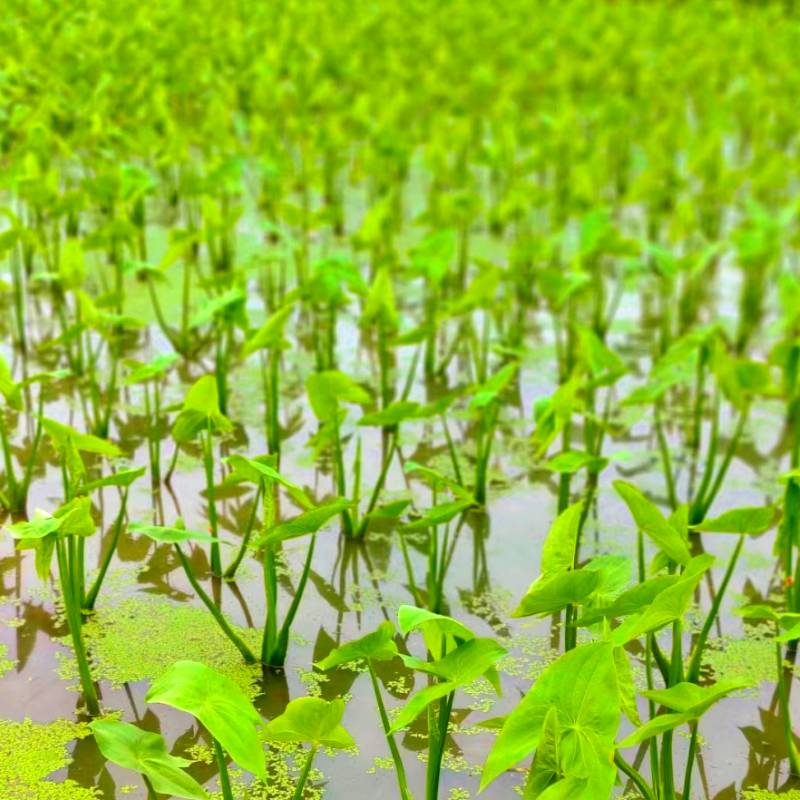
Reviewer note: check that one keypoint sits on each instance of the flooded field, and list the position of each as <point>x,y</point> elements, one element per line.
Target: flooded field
<point>379,426</point>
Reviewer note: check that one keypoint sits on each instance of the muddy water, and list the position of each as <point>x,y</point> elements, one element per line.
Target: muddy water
<point>354,587</point>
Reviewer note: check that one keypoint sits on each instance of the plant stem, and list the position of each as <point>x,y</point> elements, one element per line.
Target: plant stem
<point>230,573</point>
<point>723,468</point>
<point>69,596</point>
<point>794,758</point>
<point>399,768</point>
<point>301,782</point>
<point>437,736</point>
<point>635,776</point>
<point>270,635</point>
<point>377,489</point>
<point>224,778</point>
<point>690,758</point>
<point>247,654</point>
<point>208,458</point>
<point>278,658</point>
<point>91,597</point>
<point>696,661</point>
<point>341,486</point>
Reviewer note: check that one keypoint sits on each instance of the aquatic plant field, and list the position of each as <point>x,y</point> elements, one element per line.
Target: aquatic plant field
<point>399,399</point>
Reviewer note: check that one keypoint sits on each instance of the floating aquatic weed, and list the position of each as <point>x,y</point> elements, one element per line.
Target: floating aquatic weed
<point>284,764</point>
<point>29,752</point>
<point>5,663</point>
<point>751,657</point>
<point>172,629</point>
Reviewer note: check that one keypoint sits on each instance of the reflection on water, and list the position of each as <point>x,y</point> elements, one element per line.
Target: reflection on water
<point>487,562</point>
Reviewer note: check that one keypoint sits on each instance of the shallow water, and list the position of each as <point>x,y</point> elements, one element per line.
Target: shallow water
<point>353,587</point>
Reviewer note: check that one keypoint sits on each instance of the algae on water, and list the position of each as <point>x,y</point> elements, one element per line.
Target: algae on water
<point>5,663</point>
<point>30,752</point>
<point>171,631</point>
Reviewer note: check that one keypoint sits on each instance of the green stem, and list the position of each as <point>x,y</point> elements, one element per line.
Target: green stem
<point>690,758</point>
<point>377,489</point>
<point>91,597</point>
<point>208,459</point>
<point>215,612</point>
<point>437,737</point>
<point>270,635</point>
<point>274,400</point>
<point>278,658</point>
<point>341,486</point>
<point>452,450</point>
<point>9,463</point>
<point>68,594</point>
<point>697,656</point>
<point>301,782</point>
<point>636,777</point>
<point>723,468</point>
<point>224,778</point>
<point>666,461</point>
<point>794,758</point>
<point>230,573</point>
<point>399,768</point>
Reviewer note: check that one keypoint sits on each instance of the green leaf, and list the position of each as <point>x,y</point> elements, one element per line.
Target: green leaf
<point>550,594</point>
<point>631,601</point>
<point>545,769</point>
<point>219,704</point>
<point>789,635</point>
<point>751,521</point>
<point>626,686</point>
<point>175,535</point>
<point>758,611</point>
<point>441,633</point>
<point>689,698</point>
<point>71,266</point>
<point>376,646</point>
<point>573,788</point>
<point>650,520</point>
<point>146,753</point>
<point>270,334</point>
<point>390,511</point>
<point>654,727</point>
<point>558,551</point>
<point>582,686</point>
<point>464,664</point>
<point>227,305</point>
<point>393,414</point>
<point>571,461</point>
<point>603,364</point>
<point>303,524</point>
<point>438,515</point>
<point>42,524</point>
<point>76,518</point>
<point>202,396</point>
<point>256,470</point>
<point>436,479</point>
<point>380,305</point>
<point>152,369</point>
<point>124,478</point>
<point>63,435</point>
<point>419,702</point>
<point>311,720</point>
<point>411,618</point>
<point>200,409</point>
<point>8,387</point>
<point>327,389</point>
<point>668,606</point>
<point>488,392</point>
